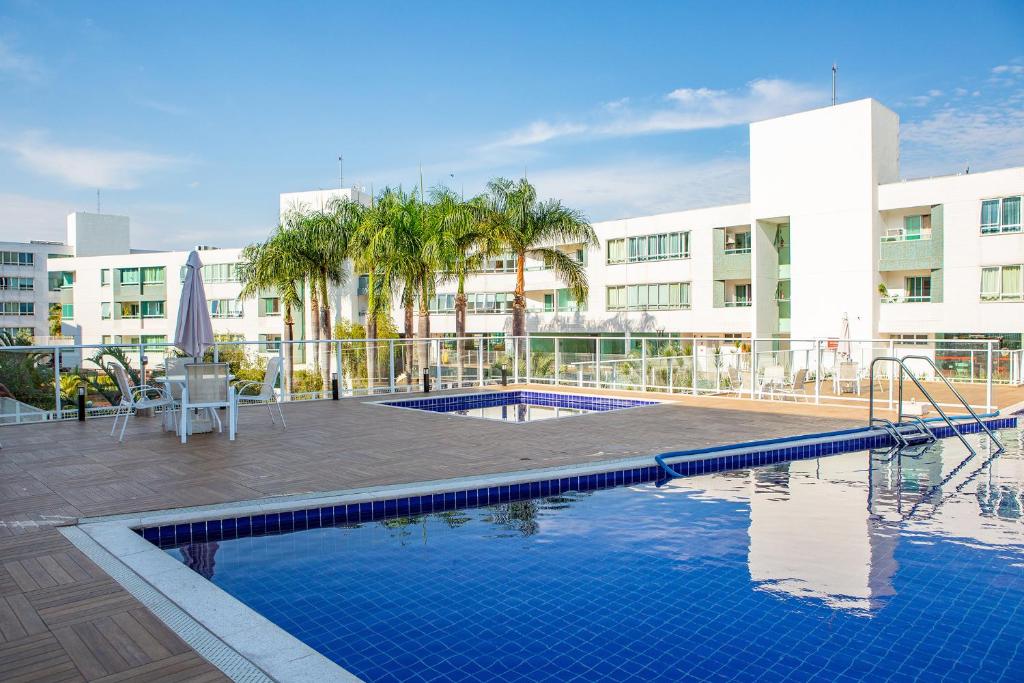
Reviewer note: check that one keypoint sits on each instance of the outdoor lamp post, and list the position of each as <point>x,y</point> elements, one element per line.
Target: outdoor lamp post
<point>334,386</point>
<point>81,403</point>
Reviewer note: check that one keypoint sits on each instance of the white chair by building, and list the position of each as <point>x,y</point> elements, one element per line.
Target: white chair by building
<point>207,386</point>
<point>847,377</point>
<point>252,391</point>
<point>175,367</point>
<point>135,397</point>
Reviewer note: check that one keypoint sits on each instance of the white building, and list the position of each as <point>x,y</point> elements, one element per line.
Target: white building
<point>26,289</point>
<point>830,229</point>
<point>114,294</point>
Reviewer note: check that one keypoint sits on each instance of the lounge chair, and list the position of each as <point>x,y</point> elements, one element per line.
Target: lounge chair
<point>135,397</point>
<point>252,391</point>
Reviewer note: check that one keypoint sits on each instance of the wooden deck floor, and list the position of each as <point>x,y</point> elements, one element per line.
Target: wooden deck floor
<point>63,619</point>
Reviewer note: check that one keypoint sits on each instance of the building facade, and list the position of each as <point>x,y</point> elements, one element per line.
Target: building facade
<point>830,231</point>
<point>27,289</point>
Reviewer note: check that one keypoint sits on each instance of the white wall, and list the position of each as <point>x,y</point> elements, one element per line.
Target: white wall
<point>95,234</point>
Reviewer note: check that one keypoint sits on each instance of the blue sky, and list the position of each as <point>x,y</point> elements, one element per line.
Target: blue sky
<point>192,117</point>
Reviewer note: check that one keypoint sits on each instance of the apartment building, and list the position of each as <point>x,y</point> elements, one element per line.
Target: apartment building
<point>26,288</point>
<point>830,231</point>
<point>114,294</point>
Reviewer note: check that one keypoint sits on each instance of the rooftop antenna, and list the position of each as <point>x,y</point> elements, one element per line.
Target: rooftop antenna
<point>835,69</point>
<point>341,171</point>
<point>97,200</point>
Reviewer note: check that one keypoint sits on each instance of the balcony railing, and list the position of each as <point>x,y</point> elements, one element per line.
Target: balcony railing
<point>904,299</point>
<point>739,303</point>
<point>901,235</point>
<point>737,250</point>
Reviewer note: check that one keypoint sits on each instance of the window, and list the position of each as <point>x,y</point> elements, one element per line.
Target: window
<point>912,228</point>
<point>106,339</point>
<point>128,276</point>
<point>741,296</point>
<point>918,288</point>
<point>24,284</point>
<point>158,339</point>
<point>363,285</point>
<point>17,308</point>
<point>443,303</point>
<point>660,296</point>
<point>105,310</point>
<point>19,333</point>
<point>660,247</point>
<point>152,309</point>
<point>219,272</point>
<point>17,258</point>
<point>1001,283</point>
<point>270,343</point>
<point>910,339</point>
<point>129,309</point>
<point>737,243</point>
<point>549,303</point>
<point>1000,215</point>
<point>565,302</point>
<point>270,306</point>
<point>225,308</point>
<point>489,302</point>
<point>67,311</point>
<point>104,277</point>
<point>152,275</point>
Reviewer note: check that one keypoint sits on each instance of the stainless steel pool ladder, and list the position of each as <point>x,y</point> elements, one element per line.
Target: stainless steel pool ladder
<point>904,370</point>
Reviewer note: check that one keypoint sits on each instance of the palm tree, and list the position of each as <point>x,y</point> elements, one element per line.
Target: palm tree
<point>397,237</point>
<point>270,265</point>
<point>527,227</point>
<point>458,243</point>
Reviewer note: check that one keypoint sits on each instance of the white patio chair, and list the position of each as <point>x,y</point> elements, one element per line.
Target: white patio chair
<point>253,391</point>
<point>135,397</point>
<point>847,376</point>
<point>208,386</point>
<point>773,378</point>
<point>175,367</point>
<point>798,387</point>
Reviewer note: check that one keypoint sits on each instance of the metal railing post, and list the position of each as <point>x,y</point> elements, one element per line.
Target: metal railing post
<point>817,372</point>
<point>337,366</point>
<point>436,344</point>
<point>892,352</point>
<point>597,363</point>
<point>558,364</point>
<point>480,360</point>
<point>972,366</point>
<point>529,360</point>
<point>216,353</point>
<point>391,365</point>
<point>988,381</point>
<point>693,363</point>
<point>643,363</point>
<point>753,368</point>
<point>56,383</point>
<point>284,370</point>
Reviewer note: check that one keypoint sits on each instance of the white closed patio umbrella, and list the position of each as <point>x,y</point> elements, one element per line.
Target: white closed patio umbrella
<point>194,333</point>
<point>844,338</point>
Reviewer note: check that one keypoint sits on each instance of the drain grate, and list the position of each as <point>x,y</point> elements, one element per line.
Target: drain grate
<point>235,666</point>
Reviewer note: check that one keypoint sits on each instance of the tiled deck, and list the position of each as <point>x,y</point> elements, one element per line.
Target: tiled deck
<point>63,619</point>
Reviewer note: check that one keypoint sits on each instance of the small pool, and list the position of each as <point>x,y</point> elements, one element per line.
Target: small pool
<point>518,406</point>
<point>842,568</point>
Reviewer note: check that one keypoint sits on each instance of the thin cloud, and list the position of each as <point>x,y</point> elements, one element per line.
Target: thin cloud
<point>19,66</point>
<point>683,109</point>
<point>642,187</point>
<point>86,166</point>
<point>956,136</point>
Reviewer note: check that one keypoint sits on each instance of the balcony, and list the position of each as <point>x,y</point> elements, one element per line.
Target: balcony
<point>904,299</point>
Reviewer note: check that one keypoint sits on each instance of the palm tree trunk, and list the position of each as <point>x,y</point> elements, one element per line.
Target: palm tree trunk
<point>408,333</point>
<point>519,300</point>
<point>424,331</point>
<point>326,334</point>
<point>314,323</point>
<point>460,328</point>
<point>287,352</point>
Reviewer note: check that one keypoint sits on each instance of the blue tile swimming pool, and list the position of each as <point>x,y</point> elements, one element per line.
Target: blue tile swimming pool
<point>518,406</point>
<point>849,567</point>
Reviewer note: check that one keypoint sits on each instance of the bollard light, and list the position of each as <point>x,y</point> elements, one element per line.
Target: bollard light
<point>81,403</point>
<point>334,386</point>
<point>426,381</point>
<point>504,376</point>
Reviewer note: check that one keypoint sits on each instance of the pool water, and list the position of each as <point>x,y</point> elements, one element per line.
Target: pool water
<point>518,406</point>
<point>826,569</point>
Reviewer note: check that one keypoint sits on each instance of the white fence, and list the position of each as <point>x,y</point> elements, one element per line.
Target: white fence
<point>42,383</point>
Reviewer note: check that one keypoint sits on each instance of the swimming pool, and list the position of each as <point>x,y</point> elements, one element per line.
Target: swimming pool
<point>518,406</point>
<point>910,569</point>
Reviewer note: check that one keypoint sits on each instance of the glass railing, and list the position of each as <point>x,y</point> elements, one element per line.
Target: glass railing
<point>902,235</point>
